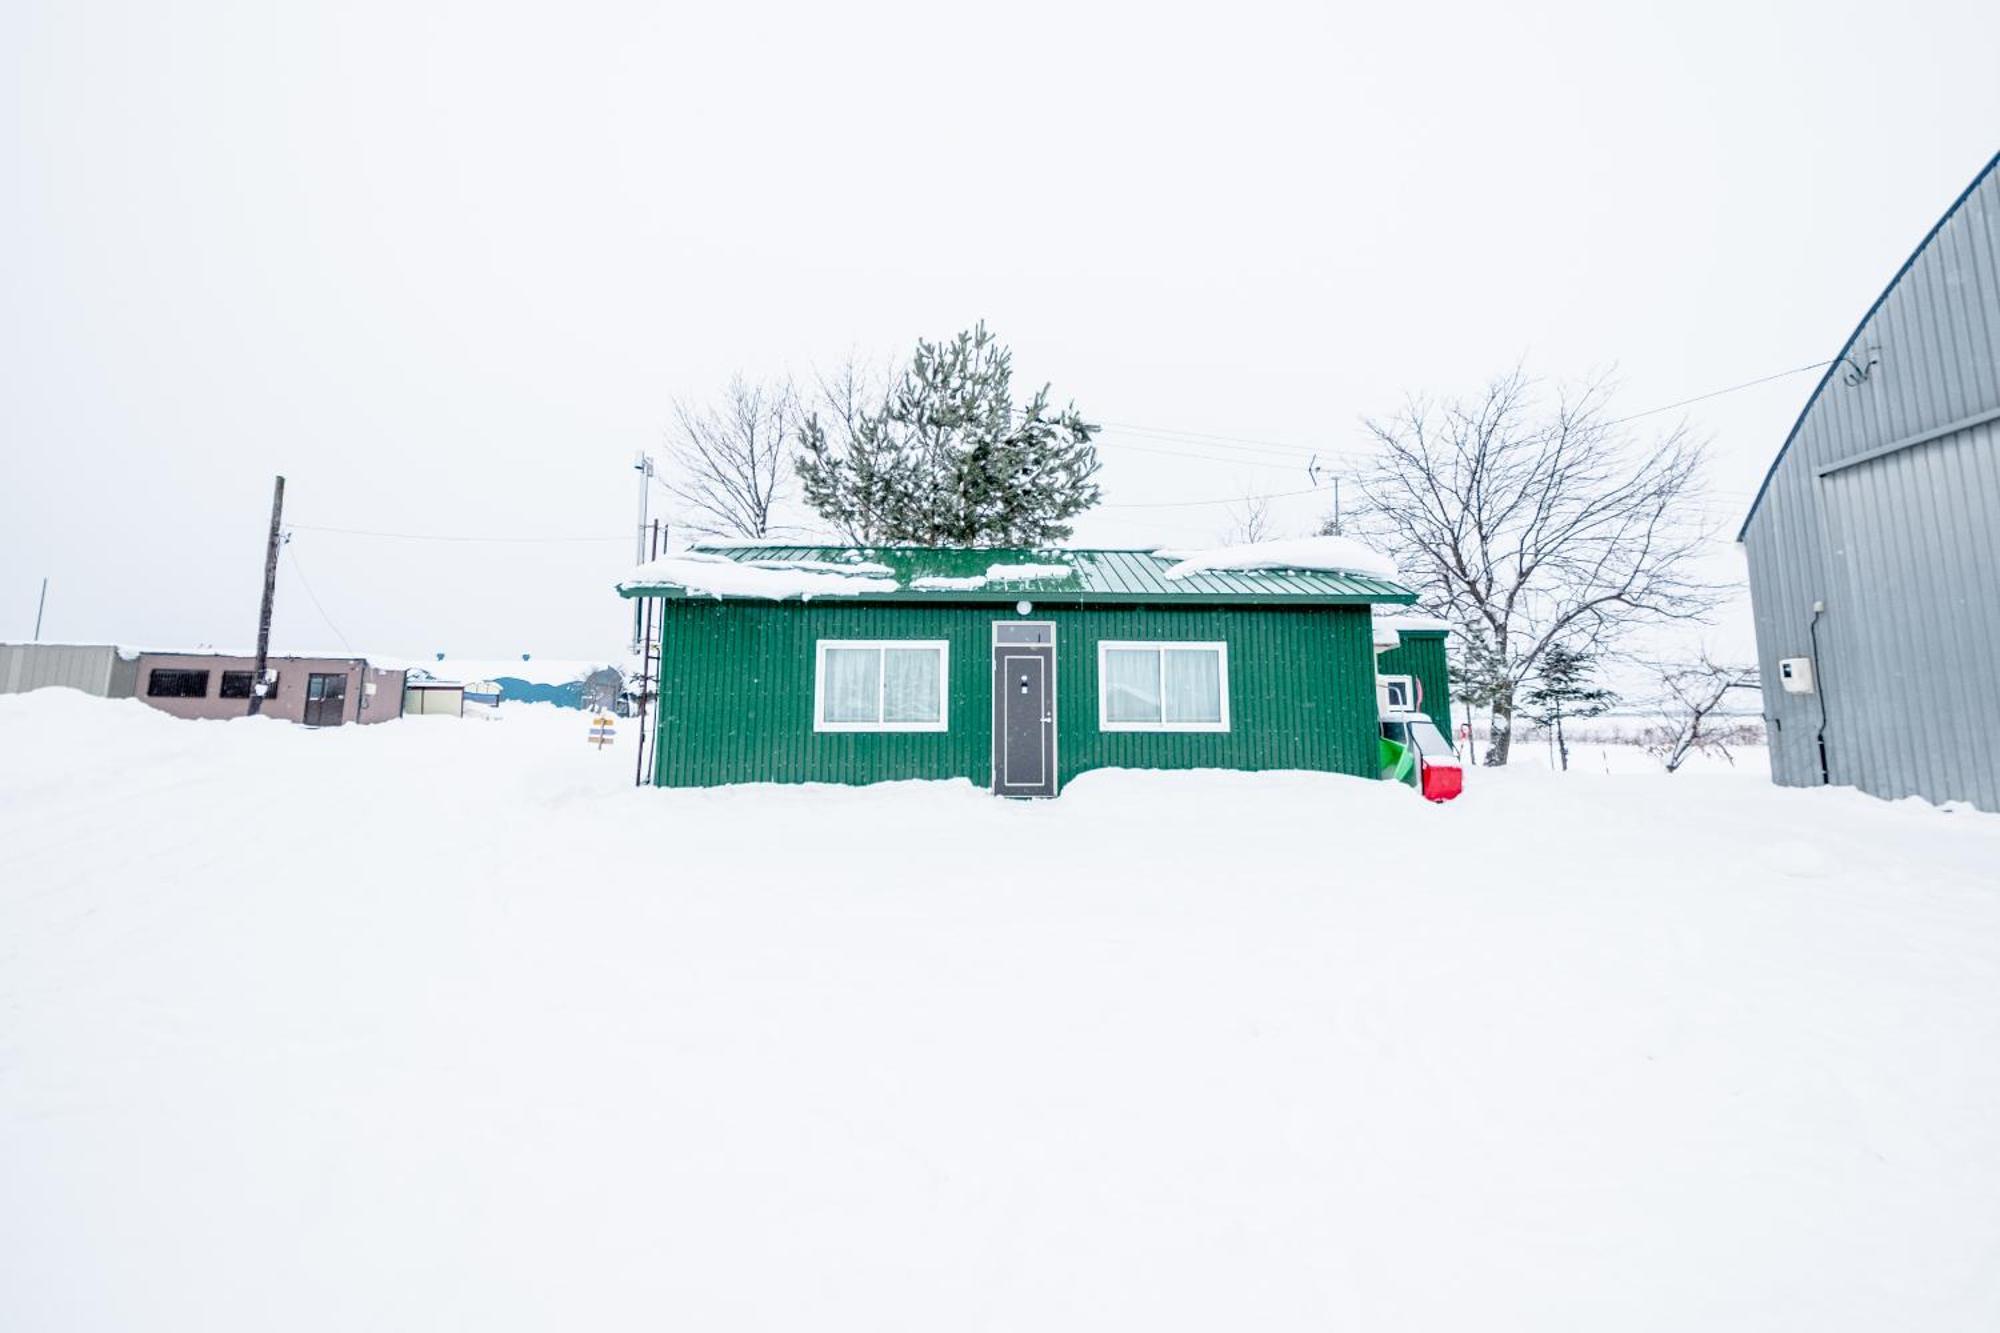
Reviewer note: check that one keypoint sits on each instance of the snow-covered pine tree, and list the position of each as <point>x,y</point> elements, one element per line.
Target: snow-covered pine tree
<point>948,460</point>
<point>1563,690</point>
<point>850,471</point>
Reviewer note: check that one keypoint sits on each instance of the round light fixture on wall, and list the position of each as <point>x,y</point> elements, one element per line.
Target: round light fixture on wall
<point>1024,607</point>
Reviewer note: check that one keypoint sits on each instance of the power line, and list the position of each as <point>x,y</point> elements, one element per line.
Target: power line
<point>1209,458</point>
<point>1717,393</point>
<point>444,537</point>
<point>1195,439</point>
<point>1295,453</point>
<point>1231,500</point>
<point>1651,411</point>
<point>313,597</point>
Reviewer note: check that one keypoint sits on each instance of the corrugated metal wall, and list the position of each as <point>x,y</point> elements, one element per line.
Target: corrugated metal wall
<point>1885,505</point>
<point>1422,655</point>
<point>93,668</point>
<point>736,702</point>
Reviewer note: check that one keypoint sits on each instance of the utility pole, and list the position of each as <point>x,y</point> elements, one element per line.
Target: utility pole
<point>257,686</point>
<point>643,465</point>
<point>40,606</point>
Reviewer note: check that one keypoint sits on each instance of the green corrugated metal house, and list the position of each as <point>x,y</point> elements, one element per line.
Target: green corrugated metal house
<point>1016,670</point>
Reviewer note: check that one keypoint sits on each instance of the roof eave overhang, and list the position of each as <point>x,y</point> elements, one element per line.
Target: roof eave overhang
<point>1060,597</point>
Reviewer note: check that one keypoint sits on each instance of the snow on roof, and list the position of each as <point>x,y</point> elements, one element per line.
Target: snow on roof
<point>824,566</point>
<point>124,651</point>
<point>991,574</point>
<point>1025,573</point>
<point>1342,555</point>
<point>719,576</point>
<point>1410,622</point>
<point>534,670</point>
<point>947,583</point>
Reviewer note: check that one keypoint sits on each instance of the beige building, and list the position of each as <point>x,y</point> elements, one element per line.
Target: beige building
<point>318,691</point>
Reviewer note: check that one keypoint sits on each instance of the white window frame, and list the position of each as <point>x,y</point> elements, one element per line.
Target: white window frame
<point>820,648</point>
<point>1409,684</point>
<point>1104,646</point>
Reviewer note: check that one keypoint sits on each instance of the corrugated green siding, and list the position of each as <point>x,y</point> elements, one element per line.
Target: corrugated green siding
<point>736,701</point>
<point>1422,655</point>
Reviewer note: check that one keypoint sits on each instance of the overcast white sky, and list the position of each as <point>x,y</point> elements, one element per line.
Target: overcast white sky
<point>446,266</point>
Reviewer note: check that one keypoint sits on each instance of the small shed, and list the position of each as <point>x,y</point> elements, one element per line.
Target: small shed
<point>1015,669</point>
<point>1410,665</point>
<point>102,669</point>
<point>424,696</point>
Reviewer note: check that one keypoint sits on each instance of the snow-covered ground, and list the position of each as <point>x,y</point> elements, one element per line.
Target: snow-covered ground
<point>440,1024</point>
<point>1621,756</point>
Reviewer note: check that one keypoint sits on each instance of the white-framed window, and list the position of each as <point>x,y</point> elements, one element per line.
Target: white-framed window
<point>1399,693</point>
<point>881,684</point>
<point>1162,686</point>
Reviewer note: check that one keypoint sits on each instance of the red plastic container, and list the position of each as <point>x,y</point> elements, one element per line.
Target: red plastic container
<point>1441,782</point>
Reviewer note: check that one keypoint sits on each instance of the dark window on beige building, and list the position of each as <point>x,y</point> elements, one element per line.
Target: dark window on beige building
<point>170,684</point>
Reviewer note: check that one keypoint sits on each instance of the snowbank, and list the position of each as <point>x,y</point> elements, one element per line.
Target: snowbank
<point>428,1025</point>
<point>1341,555</point>
<point>720,576</point>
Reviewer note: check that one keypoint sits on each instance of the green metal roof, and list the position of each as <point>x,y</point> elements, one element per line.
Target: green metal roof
<point>1094,575</point>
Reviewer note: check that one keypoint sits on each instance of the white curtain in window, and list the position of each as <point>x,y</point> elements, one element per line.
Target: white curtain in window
<point>1193,685</point>
<point>910,684</point>
<point>852,690</point>
<point>1131,685</point>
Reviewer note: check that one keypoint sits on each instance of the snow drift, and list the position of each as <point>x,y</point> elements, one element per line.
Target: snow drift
<point>443,1025</point>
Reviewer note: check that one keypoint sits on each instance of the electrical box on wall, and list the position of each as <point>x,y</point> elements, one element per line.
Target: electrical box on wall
<point>1795,674</point>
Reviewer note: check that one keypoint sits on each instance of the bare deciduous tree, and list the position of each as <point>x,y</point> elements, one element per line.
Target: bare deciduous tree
<point>1692,697</point>
<point>843,419</point>
<point>1529,525</point>
<point>1249,522</point>
<point>729,463</point>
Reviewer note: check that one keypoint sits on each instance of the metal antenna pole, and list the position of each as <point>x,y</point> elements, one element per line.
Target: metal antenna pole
<point>650,630</point>
<point>270,591</point>
<point>40,606</point>
<point>643,465</point>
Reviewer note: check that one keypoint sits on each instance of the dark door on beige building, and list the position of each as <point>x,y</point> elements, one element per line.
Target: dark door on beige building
<point>326,699</point>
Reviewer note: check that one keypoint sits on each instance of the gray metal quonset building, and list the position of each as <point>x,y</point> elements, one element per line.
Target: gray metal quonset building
<point>1874,542</point>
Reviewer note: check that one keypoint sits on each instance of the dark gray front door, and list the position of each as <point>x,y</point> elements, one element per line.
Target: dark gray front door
<point>326,699</point>
<point>1024,709</point>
